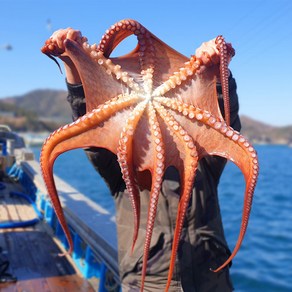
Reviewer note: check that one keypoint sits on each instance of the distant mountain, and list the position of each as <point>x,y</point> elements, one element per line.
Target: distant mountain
<point>36,111</point>
<point>46,104</point>
<point>261,133</point>
<point>46,110</point>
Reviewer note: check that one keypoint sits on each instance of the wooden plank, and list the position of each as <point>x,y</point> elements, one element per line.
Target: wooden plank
<point>34,260</point>
<point>33,253</point>
<point>68,283</point>
<point>60,284</point>
<point>14,208</point>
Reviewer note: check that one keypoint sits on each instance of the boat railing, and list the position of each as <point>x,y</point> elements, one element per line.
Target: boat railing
<point>92,227</point>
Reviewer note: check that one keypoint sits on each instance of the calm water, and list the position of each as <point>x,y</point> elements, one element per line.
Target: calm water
<point>264,263</point>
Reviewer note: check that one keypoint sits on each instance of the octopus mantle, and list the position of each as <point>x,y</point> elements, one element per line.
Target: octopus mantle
<point>153,108</point>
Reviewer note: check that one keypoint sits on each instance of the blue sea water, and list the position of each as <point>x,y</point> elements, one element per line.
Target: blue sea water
<point>264,262</point>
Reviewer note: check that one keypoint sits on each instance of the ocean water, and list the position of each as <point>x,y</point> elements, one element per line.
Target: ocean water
<point>264,262</point>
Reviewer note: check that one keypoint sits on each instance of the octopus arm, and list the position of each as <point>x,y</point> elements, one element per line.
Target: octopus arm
<point>76,135</point>
<point>52,191</point>
<point>223,141</point>
<point>125,159</point>
<point>188,150</point>
<point>248,164</point>
<point>157,171</point>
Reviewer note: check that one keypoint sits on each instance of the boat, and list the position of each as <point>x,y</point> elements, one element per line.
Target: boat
<point>32,244</point>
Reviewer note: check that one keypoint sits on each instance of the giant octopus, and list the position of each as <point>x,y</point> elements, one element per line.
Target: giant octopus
<point>153,108</point>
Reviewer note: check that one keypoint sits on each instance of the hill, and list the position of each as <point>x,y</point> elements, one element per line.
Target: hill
<point>46,103</point>
<point>46,110</point>
<point>36,111</point>
<point>261,133</point>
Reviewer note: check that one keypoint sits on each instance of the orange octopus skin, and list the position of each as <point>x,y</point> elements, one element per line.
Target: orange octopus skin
<point>153,108</point>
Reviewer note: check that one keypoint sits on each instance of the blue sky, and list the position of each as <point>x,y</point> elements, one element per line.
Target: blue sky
<point>259,30</point>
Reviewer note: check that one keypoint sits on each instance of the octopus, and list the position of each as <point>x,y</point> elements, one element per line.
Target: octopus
<point>154,108</point>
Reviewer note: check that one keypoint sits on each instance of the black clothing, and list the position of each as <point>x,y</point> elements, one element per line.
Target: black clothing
<point>202,245</point>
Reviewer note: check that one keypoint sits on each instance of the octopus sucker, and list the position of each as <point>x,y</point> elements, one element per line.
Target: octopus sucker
<point>153,108</point>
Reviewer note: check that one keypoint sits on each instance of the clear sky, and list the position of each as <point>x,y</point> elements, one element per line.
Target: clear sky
<point>259,30</point>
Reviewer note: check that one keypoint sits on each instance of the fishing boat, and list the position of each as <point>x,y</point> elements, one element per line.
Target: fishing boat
<point>31,240</point>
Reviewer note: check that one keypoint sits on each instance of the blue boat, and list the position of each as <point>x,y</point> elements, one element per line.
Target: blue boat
<point>31,239</point>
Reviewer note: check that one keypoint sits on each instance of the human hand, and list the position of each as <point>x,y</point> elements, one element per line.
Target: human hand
<point>54,46</point>
<point>211,51</point>
<point>208,52</point>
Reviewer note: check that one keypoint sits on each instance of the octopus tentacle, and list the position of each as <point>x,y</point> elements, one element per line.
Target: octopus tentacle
<point>125,160</point>
<point>193,66</point>
<point>117,33</point>
<point>157,176</point>
<point>146,51</point>
<point>190,167</point>
<point>251,181</point>
<point>47,171</point>
<point>225,54</point>
<point>190,68</point>
<point>249,169</point>
<point>64,139</point>
<point>123,29</point>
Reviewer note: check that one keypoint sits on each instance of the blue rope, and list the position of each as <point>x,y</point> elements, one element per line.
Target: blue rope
<point>26,223</point>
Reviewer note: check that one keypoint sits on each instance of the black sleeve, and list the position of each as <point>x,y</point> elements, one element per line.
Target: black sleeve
<point>76,99</point>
